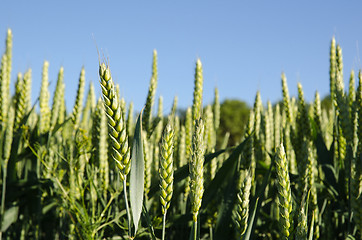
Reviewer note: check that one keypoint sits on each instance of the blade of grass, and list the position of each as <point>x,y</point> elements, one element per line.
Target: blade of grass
<point>247,235</point>
<point>136,184</point>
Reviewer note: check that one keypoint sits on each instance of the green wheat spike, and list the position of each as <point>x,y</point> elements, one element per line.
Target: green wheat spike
<point>302,123</point>
<point>286,100</point>
<point>62,108</point>
<point>8,135</point>
<point>311,176</point>
<point>242,206</point>
<point>9,53</point>
<point>130,123</point>
<point>216,109</point>
<point>284,193</point>
<point>269,127</point>
<point>123,105</point>
<point>4,91</point>
<point>197,168</point>
<point>351,93</point>
<point>154,65</point>
<point>159,127</point>
<point>277,126</point>
<point>302,227</point>
<point>174,106</point>
<point>317,112</point>
<point>57,99</point>
<point>100,143</point>
<point>175,121</point>
<point>210,140</point>
<point>27,89</point>
<point>76,113</point>
<point>257,141</point>
<point>182,148</point>
<point>356,180</point>
<point>147,113</point>
<point>19,103</point>
<point>44,96</point>
<point>117,128</point>
<point>188,128</point>
<point>147,155</point>
<point>166,167</point>
<point>198,86</point>
<point>209,130</point>
<point>257,114</point>
<point>339,60</point>
<point>88,108</point>
<point>343,108</point>
<point>332,69</point>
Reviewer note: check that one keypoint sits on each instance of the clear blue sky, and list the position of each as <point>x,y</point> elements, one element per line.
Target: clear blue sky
<point>243,45</point>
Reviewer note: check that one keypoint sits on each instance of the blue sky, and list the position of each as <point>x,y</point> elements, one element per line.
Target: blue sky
<point>243,45</point>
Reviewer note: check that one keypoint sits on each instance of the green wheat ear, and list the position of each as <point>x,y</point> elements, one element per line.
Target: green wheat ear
<point>302,227</point>
<point>284,192</point>
<point>216,109</point>
<point>332,69</point>
<point>174,106</point>
<point>117,129</point>
<point>317,112</point>
<point>339,60</point>
<point>4,91</point>
<point>89,108</point>
<point>166,167</point>
<point>188,132</point>
<point>9,52</point>
<point>286,99</point>
<point>147,113</point>
<point>158,131</point>
<point>57,99</point>
<point>76,114</point>
<point>19,101</point>
<point>44,101</point>
<point>242,207</point>
<point>197,168</point>
<point>130,123</point>
<point>198,86</point>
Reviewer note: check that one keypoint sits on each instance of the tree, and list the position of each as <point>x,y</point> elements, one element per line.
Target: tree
<point>233,118</point>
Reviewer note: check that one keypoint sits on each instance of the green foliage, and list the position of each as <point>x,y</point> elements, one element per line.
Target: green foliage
<point>233,118</point>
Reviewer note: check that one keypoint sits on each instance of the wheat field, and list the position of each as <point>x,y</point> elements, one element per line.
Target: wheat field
<point>101,171</point>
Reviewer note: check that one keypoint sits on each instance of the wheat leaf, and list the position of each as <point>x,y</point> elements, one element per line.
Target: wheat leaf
<point>136,183</point>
